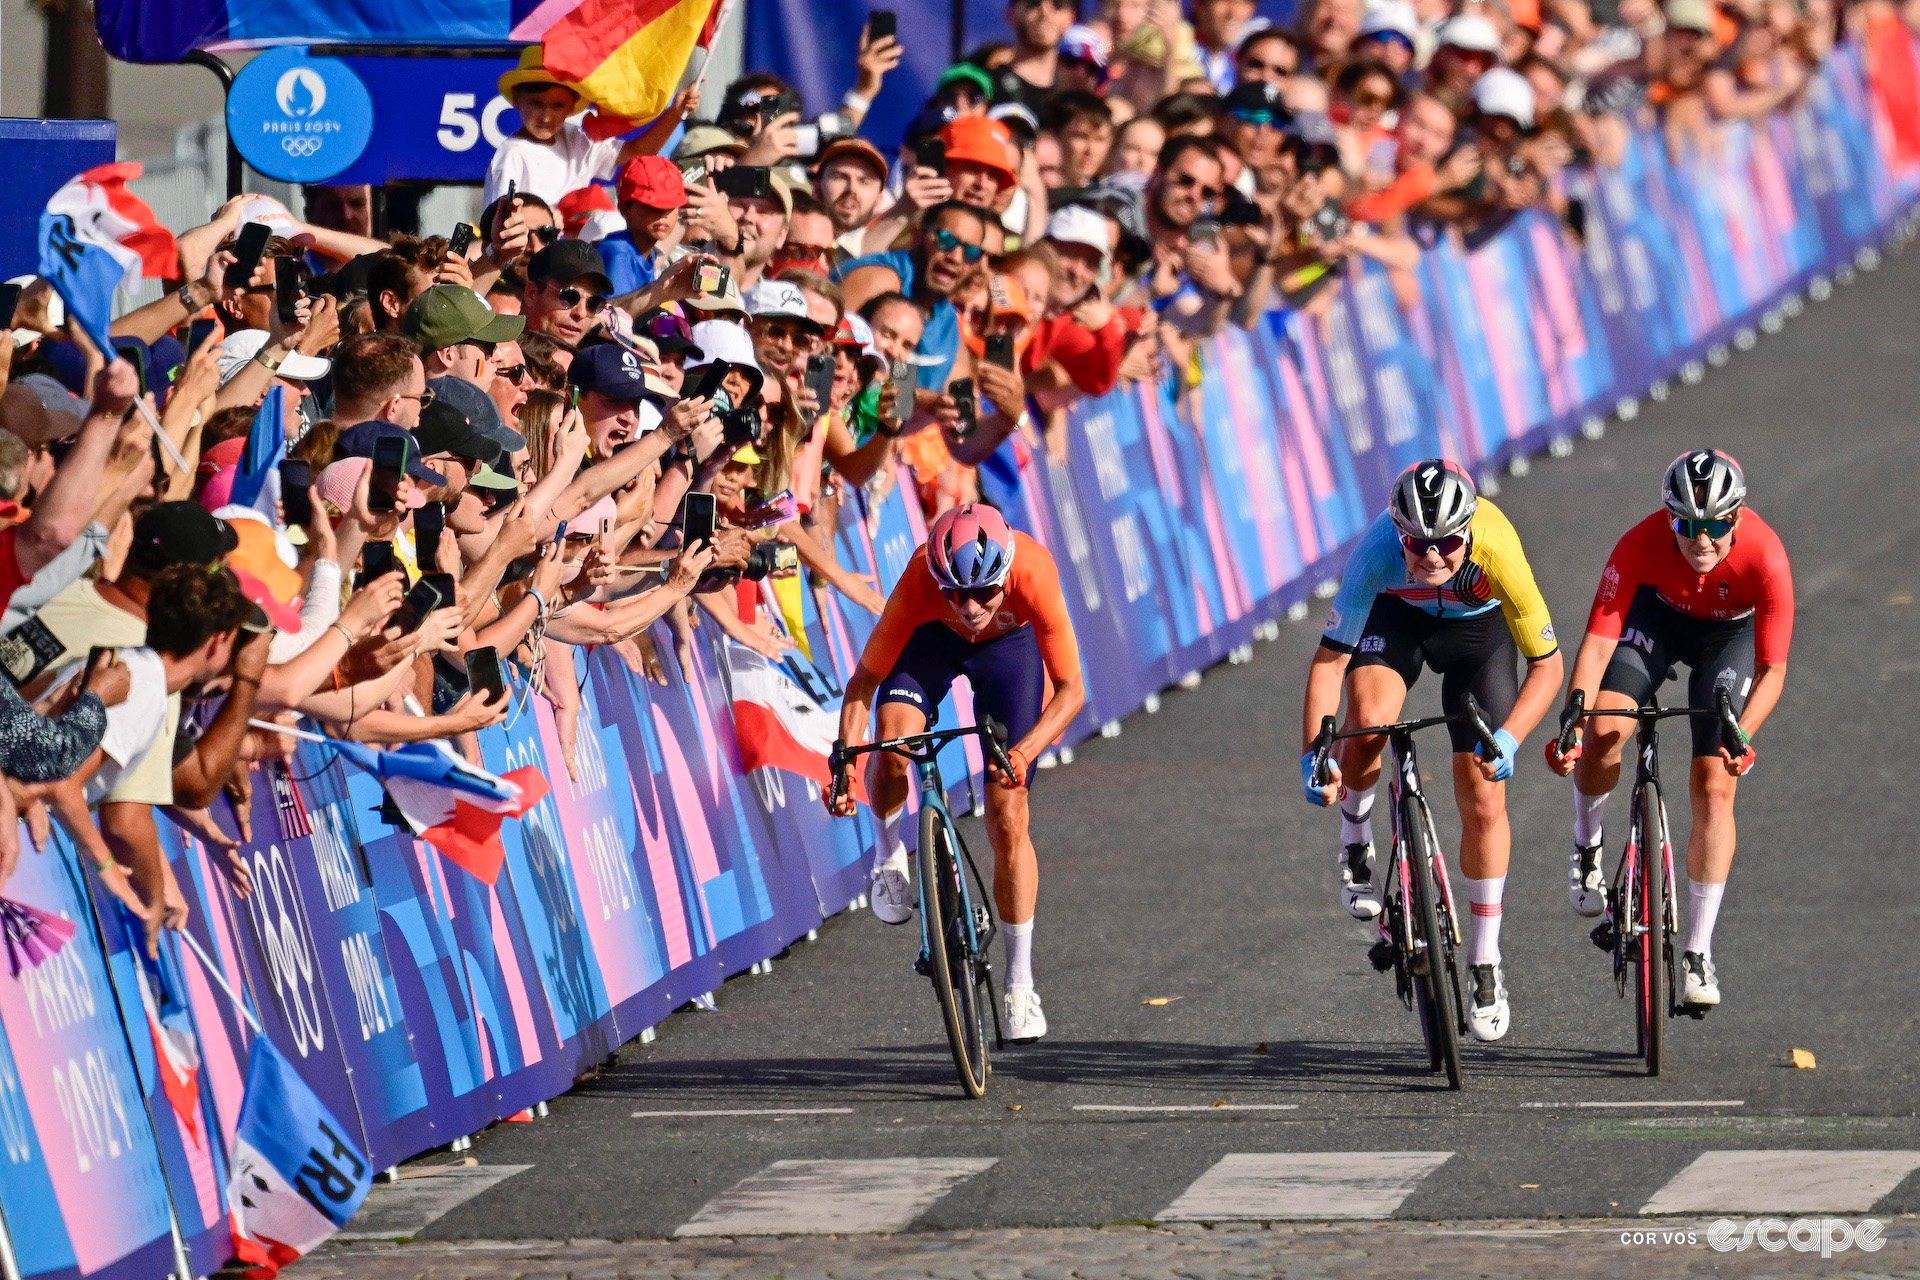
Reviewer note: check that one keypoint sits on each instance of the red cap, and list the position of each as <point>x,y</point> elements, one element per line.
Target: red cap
<point>577,206</point>
<point>981,141</point>
<point>654,181</point>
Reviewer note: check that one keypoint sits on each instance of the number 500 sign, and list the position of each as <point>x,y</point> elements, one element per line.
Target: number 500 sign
<point>460,128</point>
<point>436,118</point>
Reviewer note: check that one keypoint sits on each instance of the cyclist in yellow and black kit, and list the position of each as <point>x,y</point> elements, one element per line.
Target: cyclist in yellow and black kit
<point>1437,581</point>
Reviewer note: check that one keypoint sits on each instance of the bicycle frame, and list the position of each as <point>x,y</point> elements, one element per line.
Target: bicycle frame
<point>933,795</point>
<point>1406,783</point>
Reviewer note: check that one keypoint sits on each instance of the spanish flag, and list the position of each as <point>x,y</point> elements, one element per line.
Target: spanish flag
<point>627,56</point>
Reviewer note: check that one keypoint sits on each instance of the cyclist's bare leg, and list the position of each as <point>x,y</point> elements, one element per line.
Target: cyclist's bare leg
<point>1486,841</point>
<point>1603,741</point>
<point>887,774</point>
<point>1016,871</point>
<point>1710,846</point>
<point>1374,696</point>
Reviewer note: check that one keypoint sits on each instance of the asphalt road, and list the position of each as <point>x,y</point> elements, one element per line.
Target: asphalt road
<point>1180,862</point>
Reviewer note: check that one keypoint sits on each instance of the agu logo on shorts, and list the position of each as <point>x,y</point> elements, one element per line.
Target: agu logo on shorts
<point>299,119</point>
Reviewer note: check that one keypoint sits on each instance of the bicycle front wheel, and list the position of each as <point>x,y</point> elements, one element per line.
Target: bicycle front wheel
<point>1650,920</point>
<point>959,975</point>
<point>1439,1018</point>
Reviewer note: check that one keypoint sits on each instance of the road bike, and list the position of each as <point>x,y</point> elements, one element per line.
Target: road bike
<point>956,914</point>
<point>1642,915</point>
<point>1419,929</point>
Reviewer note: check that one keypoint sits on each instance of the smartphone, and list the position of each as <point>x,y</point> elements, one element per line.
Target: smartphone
<point>1000,350</point>
<point>746,182</point>
<point>961,389</point>
<point>286,290</point>
<point>443,583</point>
<point>428,522</point>
<point>28,650</point>
<point>376,561</point>
<point>710,278</point>
<point>1203,230</point>
<point>708,384</point>
<point>9,300</point>
<point>696,520</point>
<point>484,676</point>
<point>383,490</point>
<point>461,240</point>
<point>694,171</point>
<point>247,251</point>
<point>806,141</point>
<point>740,427</point>
<point>296,491</point>
<point>905,376</point>
<point>130,352</point>
<point>931,153</point>
<point>820,381</point>
<point>882,25</point>
<point>198,332</point>
<point>422,600</point>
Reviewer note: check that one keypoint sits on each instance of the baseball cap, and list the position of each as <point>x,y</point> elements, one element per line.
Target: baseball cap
<point>580,204</point>
<point>259,560</point>
<point>855,332</point>
<point>704,138</point>
<point>671,334</point>
<point>615,372</point>
<point>39,409</point>
<point>653,181</point>
<point>967,72</point>
<point>357,441</point>
<point>978,140</point>
<point>568,259</point>
<point>728,299</point>
<point>171,533</point>
<point>779,298</point>
<point>1390,18</point>
<point>449,314</point>
<point>859,148</point>
<point>1084,44</point>
<point>1022,124</point>
<point>239,348</point>
<point>480,409</point>
<point>1690,15</point>
<point>1501,92</point>
<point>339,480</point>
<point>1008,297</point>
<point>746,455</point>
<point>1257,97</point>
<point>1471,32</point>
<point>1077,224</point>
<point>221,466</point>
<point>444,429</point>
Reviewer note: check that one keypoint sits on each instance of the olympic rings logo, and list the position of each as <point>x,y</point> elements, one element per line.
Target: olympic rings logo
<point>300,144</point>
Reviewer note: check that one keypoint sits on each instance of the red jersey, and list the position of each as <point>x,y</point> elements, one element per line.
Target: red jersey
<point>1754,579</point>
<point>1033,600</point>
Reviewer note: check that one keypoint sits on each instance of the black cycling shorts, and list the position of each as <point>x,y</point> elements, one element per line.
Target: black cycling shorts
<point>1008,676</point>
<point>1473,655</point>
<point>1656,637</point>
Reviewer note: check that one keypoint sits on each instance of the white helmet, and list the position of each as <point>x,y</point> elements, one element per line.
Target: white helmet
<point>1705,484</point>
<point>1433,498</point>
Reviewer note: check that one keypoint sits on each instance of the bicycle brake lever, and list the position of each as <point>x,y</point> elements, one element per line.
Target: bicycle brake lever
<point>1731,737</point>
<point>1479,723</point>
<point>1570,719</point>
<point>837,770</point>
<point>1322,748</point>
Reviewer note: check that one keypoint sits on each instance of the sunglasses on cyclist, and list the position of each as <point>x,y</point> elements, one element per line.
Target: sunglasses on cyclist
<point>1691,529</point>
<point>947,242</point>
<point>571,298</point>
<point>958,596</point>
<point>1445,546</point>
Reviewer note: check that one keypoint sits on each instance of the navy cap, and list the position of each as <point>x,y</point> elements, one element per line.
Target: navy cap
<point>358,441</point>
<point>480,410</point>
<point>611,369</point>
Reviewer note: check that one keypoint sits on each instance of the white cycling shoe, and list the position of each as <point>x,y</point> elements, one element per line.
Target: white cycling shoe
<point>1702,984</point>
<point>1025,1021</point>
<point>1488,1013</point>
<point>891,893</point>
<point>1358,892</point>
<point>1586,883</point>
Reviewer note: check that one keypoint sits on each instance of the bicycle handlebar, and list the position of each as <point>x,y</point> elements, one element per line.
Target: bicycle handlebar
<point>1328,735</point>
<point>918,747</point>
<point>1731,737</point>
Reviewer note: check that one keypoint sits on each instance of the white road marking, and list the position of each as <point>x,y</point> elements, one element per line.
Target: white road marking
<point>401,1210</point>
<point>821,1197</point>
<point>1783,1182</point>
<point>748,1111</point>
<point>1723,1102</point>
<point>1281,1185</point>
<point>1226,1106</point>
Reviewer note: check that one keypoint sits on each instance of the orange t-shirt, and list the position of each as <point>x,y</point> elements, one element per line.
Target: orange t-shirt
<point>1033,599</point>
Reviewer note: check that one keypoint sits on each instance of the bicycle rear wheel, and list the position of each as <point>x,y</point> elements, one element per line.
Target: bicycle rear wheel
<point>1650,919</point>
<point>1438,1015</point>
<point>960,980</point>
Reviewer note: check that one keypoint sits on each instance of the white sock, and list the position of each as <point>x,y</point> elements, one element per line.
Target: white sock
<point>892,851</point>
<point>1356,814</point>
<point>1483,941</point>
<point>1703,907</point>
<point>1019,954</point>
<point>1589,814</point>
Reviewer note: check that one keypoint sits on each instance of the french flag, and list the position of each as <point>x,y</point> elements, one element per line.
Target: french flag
<point>450,804</point>
<point>778,725</point>
<point>96,235</point>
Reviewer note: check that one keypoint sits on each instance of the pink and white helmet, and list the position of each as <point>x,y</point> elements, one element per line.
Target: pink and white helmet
<point>970,546</point>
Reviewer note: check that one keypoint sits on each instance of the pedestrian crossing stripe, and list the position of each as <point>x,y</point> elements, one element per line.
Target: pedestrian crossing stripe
<point>832,1197</point>
<point>1292,1185</point>
<point>1783,1182</point>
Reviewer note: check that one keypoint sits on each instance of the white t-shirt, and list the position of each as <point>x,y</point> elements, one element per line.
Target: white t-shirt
<point>134,726</point>
<point>549,171</point>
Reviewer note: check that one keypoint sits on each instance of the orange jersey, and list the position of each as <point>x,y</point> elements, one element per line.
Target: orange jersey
<point>1033,599</point>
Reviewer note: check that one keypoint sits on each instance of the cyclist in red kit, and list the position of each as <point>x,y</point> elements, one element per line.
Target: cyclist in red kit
<point>1706,583</point>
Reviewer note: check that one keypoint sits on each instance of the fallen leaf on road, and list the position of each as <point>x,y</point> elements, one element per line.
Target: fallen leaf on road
<point>1529,1186</point>
<point>1162,999</point>
<point>1803,1060</point>
<point>1900,597</point>
<point>1261,1047</point>
<point>1014,1106</point>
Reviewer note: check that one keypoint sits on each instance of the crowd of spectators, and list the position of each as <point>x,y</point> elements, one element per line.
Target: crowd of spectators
<point>510,431</point>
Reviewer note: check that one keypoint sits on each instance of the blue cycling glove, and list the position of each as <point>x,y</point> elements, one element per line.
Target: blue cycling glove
<point>1314,795</point>
<point>1503,767</point>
